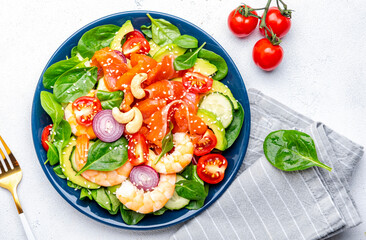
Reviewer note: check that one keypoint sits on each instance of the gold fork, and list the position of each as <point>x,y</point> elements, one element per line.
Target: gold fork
<point>10,176</point>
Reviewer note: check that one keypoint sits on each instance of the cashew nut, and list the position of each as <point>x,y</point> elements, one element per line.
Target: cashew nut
<point>135,125</point>
<point>123,117</point>
<point>136,89</point>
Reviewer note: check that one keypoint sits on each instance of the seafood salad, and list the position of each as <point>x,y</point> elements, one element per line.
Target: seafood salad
<point>140,119</point>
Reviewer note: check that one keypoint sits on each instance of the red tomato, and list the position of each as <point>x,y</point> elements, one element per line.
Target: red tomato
<point>205,144</point>
<point>135,45</point>
<point>85,108</point>
<point>266,55</point>
<point>279,24</point>
<point>137,149</point>
<point>196,82</point>
<point>45,136</point>
<point>134,34</point>
<point>240,25</point>
<point>211,168</point>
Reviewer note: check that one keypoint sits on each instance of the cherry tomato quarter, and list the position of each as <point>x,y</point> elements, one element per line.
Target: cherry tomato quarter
<point>138,150</point>
<point>241,25</point>
<point>205,144</point>
<point>135,45</point>
<point>279,24</point>
<point>45,136</point>
<point>266,55</point>
<point>85,108</point>
<point>195,82</point>
<point>211,168</point>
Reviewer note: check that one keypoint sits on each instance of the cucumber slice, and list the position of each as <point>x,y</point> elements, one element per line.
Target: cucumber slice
<point>218,86</point>
<point>177,202</point>
<point>72,158</point>
<point>220,105</point>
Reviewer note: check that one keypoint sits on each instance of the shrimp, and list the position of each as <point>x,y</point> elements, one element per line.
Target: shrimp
<point>76,128</point>
<point>178,159</point>
<point>102,178</point>
<point>150,201</point>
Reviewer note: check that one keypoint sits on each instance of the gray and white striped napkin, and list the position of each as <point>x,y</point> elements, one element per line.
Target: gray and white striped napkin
<point>266,203</point>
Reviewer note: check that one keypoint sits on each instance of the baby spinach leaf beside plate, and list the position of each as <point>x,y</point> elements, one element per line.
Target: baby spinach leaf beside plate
<point>216,60</point>
<point>187,60</point>
<point>291,150</point>
<point>75,83</point>
<point>163,32</point>
<point>233,130</point>
<point>57,69</point>
<point>190,189</point>
<point>104,156</point>
<point>186,41</point>
<point>109,100</point>
<point>131,217</point>
<point>96,39</point>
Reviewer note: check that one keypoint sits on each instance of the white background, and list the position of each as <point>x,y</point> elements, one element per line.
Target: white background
<point>323,75</point>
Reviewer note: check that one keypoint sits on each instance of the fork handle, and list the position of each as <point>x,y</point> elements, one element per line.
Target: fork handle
<point>26,227</point>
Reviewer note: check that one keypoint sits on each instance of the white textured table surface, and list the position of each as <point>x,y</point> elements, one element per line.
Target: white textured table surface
<point>323,75</point>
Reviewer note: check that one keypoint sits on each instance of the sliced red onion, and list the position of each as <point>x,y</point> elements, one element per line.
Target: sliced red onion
<point>144,177</point>
<point>121,55</point>
<point>194,160</point>
<point>106,128</point>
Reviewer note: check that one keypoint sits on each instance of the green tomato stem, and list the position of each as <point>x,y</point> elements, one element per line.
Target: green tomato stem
<point>263,23</point>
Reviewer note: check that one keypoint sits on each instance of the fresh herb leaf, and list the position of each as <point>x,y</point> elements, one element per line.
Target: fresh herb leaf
<point>115,203</point>
<point>101,197</point>
<point>57,69</point>
<point>197,204</point>
<point>187,60</point>
<point>190,189</point>
<point>109,100</point>
<point>75,83</point>
<point>163,32</point>
<point>52,154</point>
<point>190,173</point>
<point>58,171</point>
<point>131,217</point>
<point>233,130</point>
<point>216,60</point>
<point>96,39</point>
<point>106,156</point>
<point>291,150</point>
<point>146,30</point>
<point>52,107</point>
<point>85,193</point>
<point>167,143</point>
<point>186,41</point>
<point>63,133</point>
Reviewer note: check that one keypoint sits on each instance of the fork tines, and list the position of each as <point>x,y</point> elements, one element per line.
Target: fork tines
<point>8,161</point>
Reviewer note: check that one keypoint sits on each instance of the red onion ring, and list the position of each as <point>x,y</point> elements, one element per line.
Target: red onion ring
<point>144,177</point>
<point>121,55</point>
<point>106,128</point>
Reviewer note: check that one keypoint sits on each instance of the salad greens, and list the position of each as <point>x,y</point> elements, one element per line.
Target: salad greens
<point>216,60</point>
<point>190,189</point>
<point>167,143</point>
<point>146,30</point>
<point>291,150</point>
<point>58,171</point>
<point>186,41</point>
<point>52,154</point>
<point>131,217</point>
<point>233,130</point>
<point>109,100</point>
<point>163,32</point>
<point>187,60</point>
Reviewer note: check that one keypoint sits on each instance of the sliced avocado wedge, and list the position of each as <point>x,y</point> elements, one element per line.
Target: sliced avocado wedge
<point>204,67</point>
<point>69,172</point>
<point>218,86</point>
<point>153,47</point>
<point>116,42</point>
<point>169,49</point>
<point>211,120</point>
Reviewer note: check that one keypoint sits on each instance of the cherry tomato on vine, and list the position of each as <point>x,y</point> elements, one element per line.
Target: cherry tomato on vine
<point>85,108</point>
<point>196,82</point>
<point>279,24</point>
<point>45,136</point>
<point>211,168</point>
<point>266,55</point>
<point>205,144</point>
<point>241,25</point>
<point>137,149</point>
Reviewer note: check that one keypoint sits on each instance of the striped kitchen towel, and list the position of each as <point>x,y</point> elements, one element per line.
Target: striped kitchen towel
<point>266,203</point>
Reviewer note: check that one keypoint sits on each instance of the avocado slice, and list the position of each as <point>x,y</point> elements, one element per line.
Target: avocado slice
<point>153,47</point>
<point>169,49</point>
<point>218,86</point>
<point>211,121</point>
<point>204,67</point>
<point>69,172</point>
<point>116,42</point>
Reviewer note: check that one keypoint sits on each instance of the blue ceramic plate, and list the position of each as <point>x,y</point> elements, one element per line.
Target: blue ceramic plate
<point>235,154</point>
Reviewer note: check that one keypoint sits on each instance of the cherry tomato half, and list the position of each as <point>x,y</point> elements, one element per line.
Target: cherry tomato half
<point>45,136</point>
<point>240,25</point>
<point>134,34</point>
<point>137,149</point>
<point>266,55</point>
<point>205,144</point>
<point>135,45</point>
<point>211,168</point>
<point>196,82</point>
<point>279,24</point>
<point>85,108</point>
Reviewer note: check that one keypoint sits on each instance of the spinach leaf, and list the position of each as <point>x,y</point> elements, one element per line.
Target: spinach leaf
<point>216,60</point>
<point>197,204</point>
<point>52,154</point>
<point>131,217</point>
<point>109,100</point>
<point>186,41</point>
<point>58,171</point>
<point>106,156</point>
<point>101,197</point>
<point>63,133</point>
<point>52,107</point>
<point>160,212</point>
<point>73,185</point>
<point>190,173</point>
<point>147,31</point>
<point>187,60</point>
<point>75,83</point>
<point>96,39</point>
<point>233,130</point>
<point>163,32</point>
<point>115,203</point>
<point>57,69</point>
<point>291,150</point>
<point>85,193</point>
<point>167,143</point>
<point>74,51</point>
<point>190,189</point>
